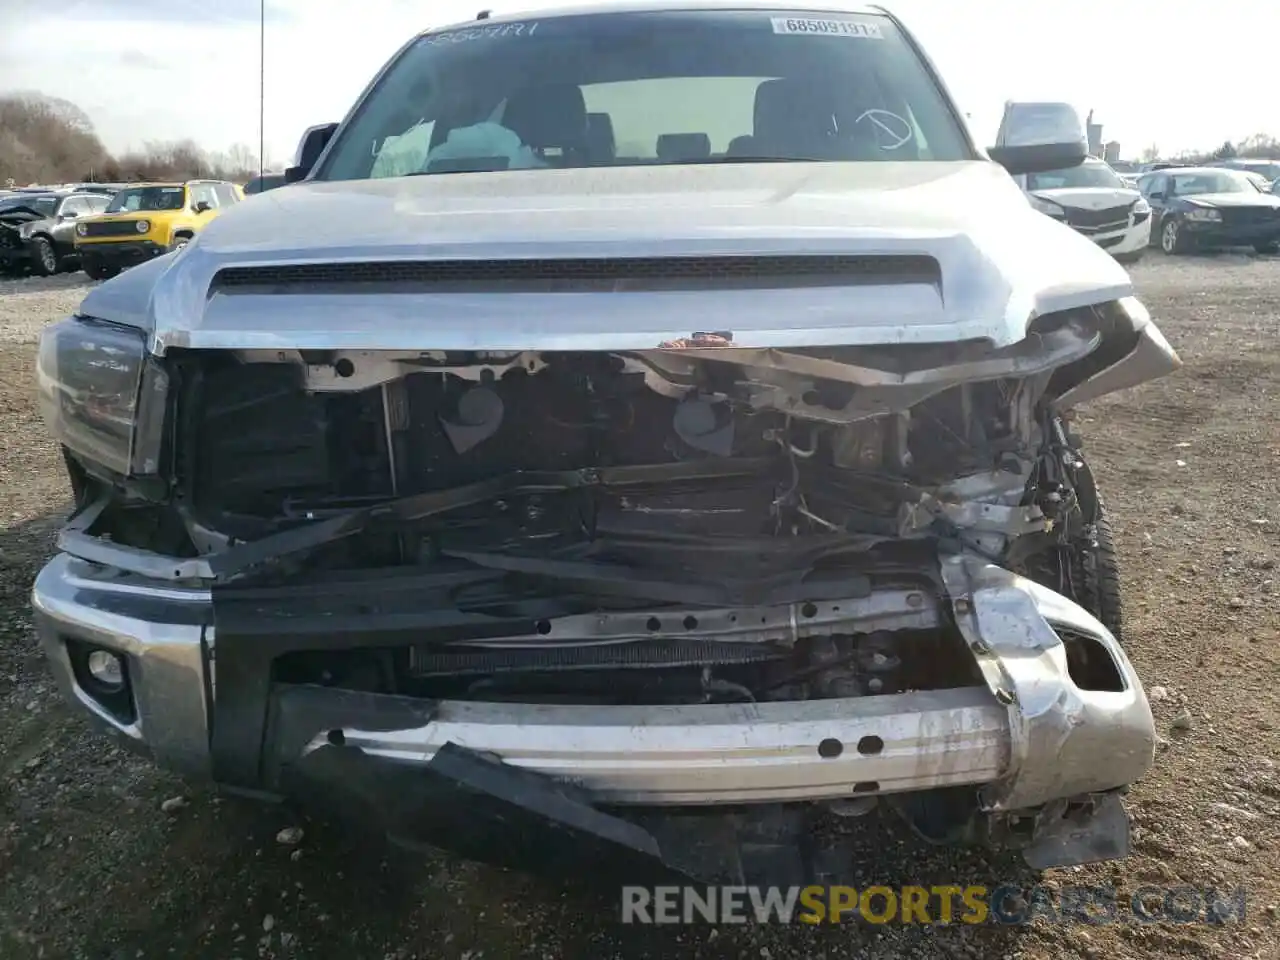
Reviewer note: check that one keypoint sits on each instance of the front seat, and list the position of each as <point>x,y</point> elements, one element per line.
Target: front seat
<point>601,147</point>
<point>552,121</point>
<point>794,119</point>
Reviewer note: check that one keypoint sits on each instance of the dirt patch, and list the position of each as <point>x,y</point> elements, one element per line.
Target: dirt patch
<point>94,868</point>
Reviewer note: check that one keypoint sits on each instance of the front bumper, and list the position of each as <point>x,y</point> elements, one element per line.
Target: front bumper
<point>120,253</point>
<point>13,252</point>
<point>1210,234</point>
<point>1030,736</point>
<point>1126,239</point>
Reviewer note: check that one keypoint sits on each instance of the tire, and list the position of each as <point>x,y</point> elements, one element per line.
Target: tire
<point>95,270</point>
<point>1086,568</point>
<point>1272,247</point>
<point>179,242</point>
<point>44,258</point>
<point>1129,257</point>
<point>1172,238</point>
<point>1100,589</point>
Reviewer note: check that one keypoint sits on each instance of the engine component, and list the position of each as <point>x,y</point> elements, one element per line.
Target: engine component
<point>704,426</point>
<point>479,415</point>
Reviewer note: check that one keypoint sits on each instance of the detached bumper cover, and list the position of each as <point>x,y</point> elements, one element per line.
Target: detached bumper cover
<point>1029,737</point>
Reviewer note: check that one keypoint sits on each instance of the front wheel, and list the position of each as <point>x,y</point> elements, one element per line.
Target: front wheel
<point>44,259</point>
<point>1272,246</point>
<point>1084,566</point>
<point>1172,238</point>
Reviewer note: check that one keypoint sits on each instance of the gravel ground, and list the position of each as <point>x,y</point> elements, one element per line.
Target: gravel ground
<point>105,857</point>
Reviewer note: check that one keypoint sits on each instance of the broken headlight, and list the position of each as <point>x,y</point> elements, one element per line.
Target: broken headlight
<point>102,394</point>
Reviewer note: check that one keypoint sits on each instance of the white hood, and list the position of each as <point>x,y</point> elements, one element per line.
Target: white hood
<point>1000,262</point>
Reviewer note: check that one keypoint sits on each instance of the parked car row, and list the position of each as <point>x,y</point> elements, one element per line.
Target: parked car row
<point>104,228</point>
<point>1179,208</point>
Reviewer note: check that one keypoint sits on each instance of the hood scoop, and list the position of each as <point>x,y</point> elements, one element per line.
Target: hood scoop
<point>581,275</point>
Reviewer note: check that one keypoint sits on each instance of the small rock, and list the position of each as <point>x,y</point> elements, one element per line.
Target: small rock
<point>1237,812</point>
<point>295,856</point>
<point>1236,603</point>
<point>268,923</point>
<point>1182,722</point>
<point>1156,694</point>
<point>1267,586</point>
<point>1240,843</point>
<point>1181,463</point>
<point>286,940</point>
<point>290,836</point>
<point>1265,563</point>
<point>173,804</point>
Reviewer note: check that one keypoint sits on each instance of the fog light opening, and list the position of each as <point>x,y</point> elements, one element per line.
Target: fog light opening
<point>103,675</point>
<point>107,669</point>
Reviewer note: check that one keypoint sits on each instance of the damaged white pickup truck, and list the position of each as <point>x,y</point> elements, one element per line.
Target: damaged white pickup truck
<point>636,431</point>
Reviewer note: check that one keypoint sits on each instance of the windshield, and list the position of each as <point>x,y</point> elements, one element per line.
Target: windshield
<point>629,89</point>
<point>1085,175</point>
<point>146,198</point>
<point>1268,171</point>
<point>1210,181</point>
<point>43,205</point>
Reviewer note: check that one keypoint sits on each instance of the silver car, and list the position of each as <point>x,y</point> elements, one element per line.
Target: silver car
<point>638,430</point>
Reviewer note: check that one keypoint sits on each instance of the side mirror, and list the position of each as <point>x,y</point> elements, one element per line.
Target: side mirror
<point>1038,137</point>
<point>202,206</point>
<point>310,147</point>
<point>1039,157</point>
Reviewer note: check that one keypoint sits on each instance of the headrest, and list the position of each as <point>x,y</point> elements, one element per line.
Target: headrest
<point>674,147</point>
<point>550,116</point>
<point>601,147</point>
<point>794,117</point>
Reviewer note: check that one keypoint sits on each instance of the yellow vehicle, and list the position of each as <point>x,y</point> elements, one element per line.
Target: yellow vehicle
<point>145,220</point>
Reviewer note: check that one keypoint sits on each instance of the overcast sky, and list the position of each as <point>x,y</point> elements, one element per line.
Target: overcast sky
<point>171,69</point>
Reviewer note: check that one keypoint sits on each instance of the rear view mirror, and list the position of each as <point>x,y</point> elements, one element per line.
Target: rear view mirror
<point>310,147</point>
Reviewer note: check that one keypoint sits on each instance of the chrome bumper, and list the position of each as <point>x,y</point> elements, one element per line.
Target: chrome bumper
<point>165,635</point>
<point>1030,735</point>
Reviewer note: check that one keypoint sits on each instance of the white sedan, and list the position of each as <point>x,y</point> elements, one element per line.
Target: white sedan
<point>1094,200</point>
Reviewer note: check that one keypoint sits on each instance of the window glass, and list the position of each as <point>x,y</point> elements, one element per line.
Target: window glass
<point>631,88</point>
<point>203,193</point>
<point>147,199</point>
<point>74,207</point>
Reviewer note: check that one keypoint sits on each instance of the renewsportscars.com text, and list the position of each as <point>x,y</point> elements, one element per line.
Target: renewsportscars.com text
<point>937,904</point>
